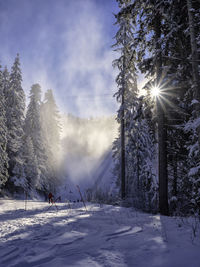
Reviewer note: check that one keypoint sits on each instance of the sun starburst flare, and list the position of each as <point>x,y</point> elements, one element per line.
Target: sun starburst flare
<point>155,91</point>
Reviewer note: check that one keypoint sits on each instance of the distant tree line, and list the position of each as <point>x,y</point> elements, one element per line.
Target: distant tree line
<point>157,152</point>
<point>29,138</point>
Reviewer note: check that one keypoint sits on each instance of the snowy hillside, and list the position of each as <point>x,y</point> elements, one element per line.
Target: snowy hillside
<point>101,236</point>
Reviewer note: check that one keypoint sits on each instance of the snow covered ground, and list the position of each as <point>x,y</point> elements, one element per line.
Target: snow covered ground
<point>101,236</point>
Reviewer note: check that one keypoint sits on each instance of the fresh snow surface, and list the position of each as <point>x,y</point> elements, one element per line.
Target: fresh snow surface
<point>101,236</point>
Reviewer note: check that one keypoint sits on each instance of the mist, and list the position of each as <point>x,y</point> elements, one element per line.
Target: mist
<point>67,48</point>
<point>86,144</point>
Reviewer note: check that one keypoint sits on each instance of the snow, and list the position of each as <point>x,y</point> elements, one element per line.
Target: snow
<point>104,235</point>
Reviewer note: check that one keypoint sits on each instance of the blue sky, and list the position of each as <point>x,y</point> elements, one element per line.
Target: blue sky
<point>64,45</point>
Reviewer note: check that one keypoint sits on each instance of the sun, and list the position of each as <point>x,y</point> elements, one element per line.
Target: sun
<point>155,91</point>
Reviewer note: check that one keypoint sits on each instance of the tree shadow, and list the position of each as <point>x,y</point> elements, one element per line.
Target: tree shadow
<point>98,237</point>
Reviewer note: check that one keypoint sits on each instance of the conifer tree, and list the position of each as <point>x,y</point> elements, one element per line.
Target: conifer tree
<point>141,159</point>
<point>127,85</point>
<point>51,134</point>
<point>166,40</point>
<point>3,135</point>
<point>15,109</point>
<point>141,185</point>
<point>33,131</point>
<point>31,169</point>
<point>193,125</point>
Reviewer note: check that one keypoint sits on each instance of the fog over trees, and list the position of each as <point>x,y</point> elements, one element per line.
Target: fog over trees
<point>100,133</point>
<point>27,138</point>
<point>156,151</point>
<point>45,151</point>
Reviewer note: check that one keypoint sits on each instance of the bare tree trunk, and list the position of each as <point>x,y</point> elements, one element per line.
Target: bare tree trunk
<point>162,130</point>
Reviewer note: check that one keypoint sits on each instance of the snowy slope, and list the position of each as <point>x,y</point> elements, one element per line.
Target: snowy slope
<point>101,236</point>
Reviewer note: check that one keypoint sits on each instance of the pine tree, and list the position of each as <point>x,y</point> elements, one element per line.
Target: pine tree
<point>31,169</point>
<point>141,159</point>
<point>195,57</point>
<point>3,135</point>
<point>141,185</point>
<point>51,134</point>
<point>15,109</point>
<point>126,81</point>
<point>180,25</point>
<point>33,130</point>
<point>193,125</point>
<point>166,40</point>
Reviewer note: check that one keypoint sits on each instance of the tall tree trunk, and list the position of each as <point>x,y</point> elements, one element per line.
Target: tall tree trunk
<point>162,129</point>
<point>123,174</point>
<point>138,173</point>
<point>123,170</point>
<point>175,178</point>
<point>162,169</point>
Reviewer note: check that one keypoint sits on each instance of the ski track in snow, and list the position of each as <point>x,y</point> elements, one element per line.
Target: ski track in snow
<point>102,236</point>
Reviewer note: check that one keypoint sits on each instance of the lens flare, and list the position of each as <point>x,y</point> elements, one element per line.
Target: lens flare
<point>155,91</point>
